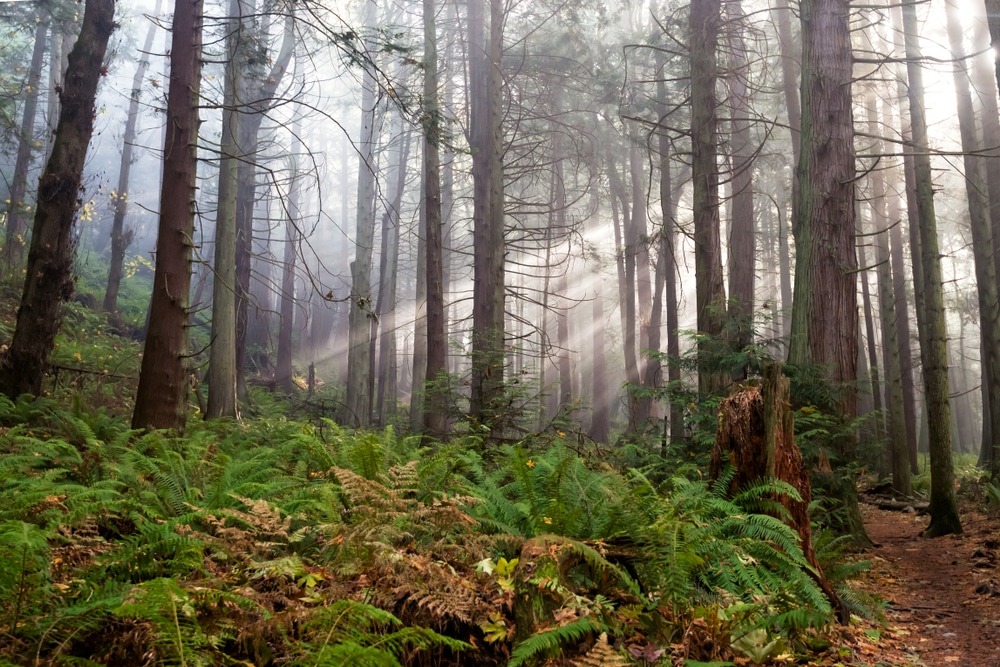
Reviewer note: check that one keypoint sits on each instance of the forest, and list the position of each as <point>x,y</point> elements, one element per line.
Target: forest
<point>497,332</point>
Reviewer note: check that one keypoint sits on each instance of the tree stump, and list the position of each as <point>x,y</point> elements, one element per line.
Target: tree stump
<point>756,431</point>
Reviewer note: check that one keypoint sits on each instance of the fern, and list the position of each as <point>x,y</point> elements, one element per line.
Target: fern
<point>552,640</point>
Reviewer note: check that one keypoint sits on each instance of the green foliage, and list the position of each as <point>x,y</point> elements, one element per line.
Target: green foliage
<point>275,540</point>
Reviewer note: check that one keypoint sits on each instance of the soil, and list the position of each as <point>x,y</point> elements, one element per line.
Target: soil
<point>942,595</point>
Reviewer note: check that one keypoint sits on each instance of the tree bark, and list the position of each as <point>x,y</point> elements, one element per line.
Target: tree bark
<point>983,242</point>
<point>934,334</point>
<point>486,141</point>
<point>283,375</point>
<point>824,308</point>
<point>161,400</point>
<point>48,278</point>
<point>709,288</point>
<point>435,417</point>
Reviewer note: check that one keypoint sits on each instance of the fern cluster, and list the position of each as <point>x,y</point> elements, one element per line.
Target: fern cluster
<point>280,542</point>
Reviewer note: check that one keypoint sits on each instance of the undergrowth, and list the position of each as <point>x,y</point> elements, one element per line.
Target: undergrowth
<point>273,542</point>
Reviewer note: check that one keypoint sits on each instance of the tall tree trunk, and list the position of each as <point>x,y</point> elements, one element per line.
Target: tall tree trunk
<point>13,247</point>
<point>626,297</point>
<point>934,334</point>
<point>359,370</point>
<point>637,244</point>
<point>222,375</point>
<point>824,309</point>
<point>120,239</point>
<point>741,228</point>
<point>389,261</point>
<point>898,424</point>
<point>667,249</point>
<point>435,418</point>
<point>161,400</point>
<point>910,192</point>
<point>486,141</point>
<point>873,365</point>
<point>983,242</point>
<point>48,278</point>
<point>283,379</point>
<point>259,99</point>
<point>600,425</point>
<point>709,288</point>
<point>789,78</point>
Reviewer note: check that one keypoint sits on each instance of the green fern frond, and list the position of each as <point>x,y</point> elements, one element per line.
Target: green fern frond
<point>552,640</point>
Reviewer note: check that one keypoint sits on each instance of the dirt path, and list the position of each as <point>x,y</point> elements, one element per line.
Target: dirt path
<point>943,594</point>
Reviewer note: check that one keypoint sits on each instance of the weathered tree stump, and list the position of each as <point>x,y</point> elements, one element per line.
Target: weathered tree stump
<point>756,433</point>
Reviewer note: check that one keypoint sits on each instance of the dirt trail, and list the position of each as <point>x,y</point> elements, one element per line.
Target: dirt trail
<point>943,593</point>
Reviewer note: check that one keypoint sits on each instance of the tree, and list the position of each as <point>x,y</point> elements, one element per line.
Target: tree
<point>933,332</point>
<point>48,278</point>
<point>163,379</point>
<point>709,287</point>
<point>486,142</point>
<point>435,417</point>
<point>359,352</point>
<point>824,308</point>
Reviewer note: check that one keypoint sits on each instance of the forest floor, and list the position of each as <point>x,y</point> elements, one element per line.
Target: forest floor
<point>942,595</point>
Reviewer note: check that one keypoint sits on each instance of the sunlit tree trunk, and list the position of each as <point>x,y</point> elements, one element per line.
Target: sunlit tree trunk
<point>389,261</point>
<point>626,282</point>
<point>13,247</point>
<point>637,245</point>
<point>359,354</point>
<point>600,425</point>
<point>934,334</point>
<point>48,278</point>
<point>873,370</point>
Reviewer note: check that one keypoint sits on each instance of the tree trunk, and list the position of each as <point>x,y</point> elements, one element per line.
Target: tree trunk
<point>435,417</point>
<point>824,308</point>
<point>934,334</point>
<point>898,448</point>
<point>709,288</point>
<point>260,99</point>
<point>486,142</point>
<point>359,370</point>
<point>873,365</point>
<point>389,261</point>
<point>161,400</point>
<point>789,79</point>
<point>983,242</point>
<point>120,239</point>
<point>48,278</point>
<point>741,244</point>
<point>13,247</point>
<point>283,378</point>
<point>626,298</point>
<point>637,244</point>
<point>222,376</point>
